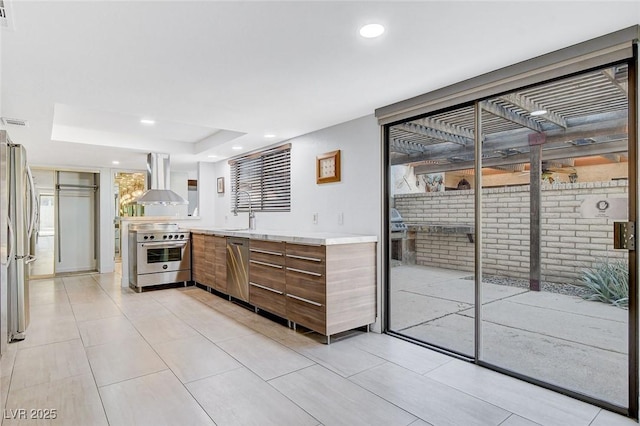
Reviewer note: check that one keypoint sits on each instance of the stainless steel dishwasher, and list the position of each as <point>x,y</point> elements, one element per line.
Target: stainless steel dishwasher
<point>238,268</point>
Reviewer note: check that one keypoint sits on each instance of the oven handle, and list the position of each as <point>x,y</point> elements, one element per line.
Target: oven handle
<point>163,244</point>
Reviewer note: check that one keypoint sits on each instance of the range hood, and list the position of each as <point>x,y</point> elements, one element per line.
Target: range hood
<point>158,174</point>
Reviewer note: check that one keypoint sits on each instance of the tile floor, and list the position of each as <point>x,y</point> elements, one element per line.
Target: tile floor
<point>98,354</point>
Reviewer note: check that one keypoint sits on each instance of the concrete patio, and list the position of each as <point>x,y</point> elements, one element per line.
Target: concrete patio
<point>563,340</point>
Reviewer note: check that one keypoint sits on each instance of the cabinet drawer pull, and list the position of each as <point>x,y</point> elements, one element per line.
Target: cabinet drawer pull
<point>312,259</point>
<point>315,274</point>
<point>257,262</point>
<point>266,288</point>
<point>274,253</point>
<point>304,300</point>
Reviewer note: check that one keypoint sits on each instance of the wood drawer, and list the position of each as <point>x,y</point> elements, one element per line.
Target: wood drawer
<point>313,269</point>
<point>267,246</point>
<point>265,257</point>
<point>305,251</point>
<point>267,299</point>
<point>306,286</point>
<point>267,274</point>
<point>306,313</point>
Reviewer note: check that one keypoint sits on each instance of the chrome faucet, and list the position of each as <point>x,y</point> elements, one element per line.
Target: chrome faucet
<point>252,215</point>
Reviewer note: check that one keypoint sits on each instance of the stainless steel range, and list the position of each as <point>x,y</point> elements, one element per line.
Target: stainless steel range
<point>159,253</point>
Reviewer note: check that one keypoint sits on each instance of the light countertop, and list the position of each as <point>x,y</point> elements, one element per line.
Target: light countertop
<point>317,238</point>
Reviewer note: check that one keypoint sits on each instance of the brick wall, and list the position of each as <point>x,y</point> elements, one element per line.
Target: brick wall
<point>569,241</point>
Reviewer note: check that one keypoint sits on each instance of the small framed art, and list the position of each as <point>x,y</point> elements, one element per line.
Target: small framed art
<point>328,167</point>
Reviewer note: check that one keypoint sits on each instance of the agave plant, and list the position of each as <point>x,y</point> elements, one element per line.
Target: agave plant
<point>608,282</point>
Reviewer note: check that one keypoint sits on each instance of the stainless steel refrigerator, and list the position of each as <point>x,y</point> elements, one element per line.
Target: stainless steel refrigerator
<point>17,218</point>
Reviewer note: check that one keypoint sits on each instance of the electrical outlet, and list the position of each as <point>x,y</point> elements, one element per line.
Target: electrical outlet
<point>315,218</point>
<point>341,218</point>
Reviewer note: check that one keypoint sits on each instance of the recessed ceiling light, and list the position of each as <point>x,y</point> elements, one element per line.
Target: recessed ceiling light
<point>212,156</point>
<point>269,136</point>
<point>115,162</point>
<point>539,112</point>
<point>148,121</point>
<point>236,147</point>
<point>371,30</point>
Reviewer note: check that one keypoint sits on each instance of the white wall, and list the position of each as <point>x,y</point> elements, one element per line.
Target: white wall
<point>357,196</point>
<point>207,196</point>
<point>106,234</point>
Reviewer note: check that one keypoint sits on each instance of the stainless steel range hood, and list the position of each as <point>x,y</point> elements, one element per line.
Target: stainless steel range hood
<point>158,174</point>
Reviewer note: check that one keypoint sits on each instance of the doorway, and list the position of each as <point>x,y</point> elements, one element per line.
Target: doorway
<point>127,187</point>
<point>43,236</point>
<point>76,221</point>
<point>511,201</point>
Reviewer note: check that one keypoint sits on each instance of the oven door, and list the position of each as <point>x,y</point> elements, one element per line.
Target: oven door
<point>163,256</point>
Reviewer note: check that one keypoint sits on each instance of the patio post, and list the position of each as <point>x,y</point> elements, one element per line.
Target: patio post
<point>536,140</point>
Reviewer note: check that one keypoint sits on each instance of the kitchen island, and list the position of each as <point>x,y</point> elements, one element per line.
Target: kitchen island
<point>325,282</point>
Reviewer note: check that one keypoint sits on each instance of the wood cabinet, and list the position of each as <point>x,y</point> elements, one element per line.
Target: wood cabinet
<point>331,289</point>
<point>209,261</point>
<point>326,288</point>
<point>197,258</point>
<point>267,276</point>
<point>306,286</point>
<point>220,264</point>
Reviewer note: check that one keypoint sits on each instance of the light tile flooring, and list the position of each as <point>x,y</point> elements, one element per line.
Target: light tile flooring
<point>98,354</point>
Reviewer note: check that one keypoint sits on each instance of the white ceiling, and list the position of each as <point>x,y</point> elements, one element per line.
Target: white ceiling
<point>218,74</point>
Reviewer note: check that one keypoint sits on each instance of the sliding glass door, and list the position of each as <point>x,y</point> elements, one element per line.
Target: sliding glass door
<point>502,233</point>
<point>432,295</point>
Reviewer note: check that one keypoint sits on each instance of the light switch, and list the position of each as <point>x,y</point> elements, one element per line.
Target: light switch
<point>315,218</point>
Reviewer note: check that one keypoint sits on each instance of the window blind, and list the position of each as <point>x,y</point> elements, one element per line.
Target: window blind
<point>266,176</point>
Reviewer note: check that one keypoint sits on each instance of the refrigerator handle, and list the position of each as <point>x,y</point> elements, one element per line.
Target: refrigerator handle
<point>34,201</point>
<point>12,241</point>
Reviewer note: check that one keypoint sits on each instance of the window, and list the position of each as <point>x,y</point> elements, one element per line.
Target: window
<point>266,176</point>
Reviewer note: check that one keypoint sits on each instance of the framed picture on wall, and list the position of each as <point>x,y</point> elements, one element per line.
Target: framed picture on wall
<point>220,185</point>
<point>328,167</point>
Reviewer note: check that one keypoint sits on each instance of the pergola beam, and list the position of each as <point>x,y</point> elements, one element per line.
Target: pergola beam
<point>508,115</point>
<point>554,151</point>
<point>530,106</point>
<point>447,128</point>
<point>434,133</point>
<point>610,73</point>
<point>590,130</point>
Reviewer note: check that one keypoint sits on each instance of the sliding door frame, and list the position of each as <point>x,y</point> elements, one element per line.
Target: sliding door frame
<point>618,47</point>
